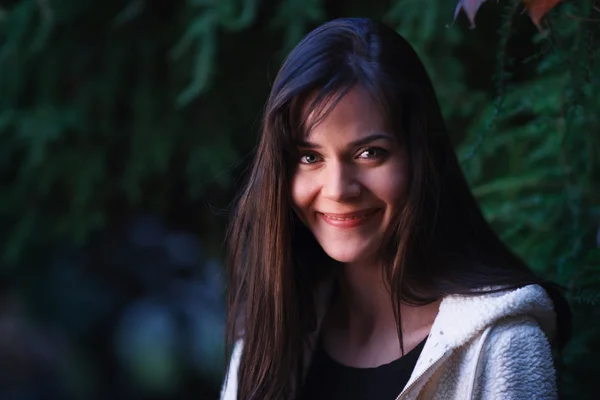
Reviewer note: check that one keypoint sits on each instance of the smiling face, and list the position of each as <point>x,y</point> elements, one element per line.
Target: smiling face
<point>350,179</point>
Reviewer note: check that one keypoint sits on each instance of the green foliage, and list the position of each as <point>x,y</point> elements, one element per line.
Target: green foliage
<point>115,107</point>
<point>535,173</point>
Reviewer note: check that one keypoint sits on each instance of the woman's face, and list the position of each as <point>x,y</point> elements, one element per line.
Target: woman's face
<point>350,178</point>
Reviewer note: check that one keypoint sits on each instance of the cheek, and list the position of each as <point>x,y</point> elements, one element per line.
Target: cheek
<point>398,189</point>
<point>392,185</point>
<point>303,191</point>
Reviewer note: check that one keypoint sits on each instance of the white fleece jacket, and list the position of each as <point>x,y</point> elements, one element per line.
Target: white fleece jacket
<point>492,346</point>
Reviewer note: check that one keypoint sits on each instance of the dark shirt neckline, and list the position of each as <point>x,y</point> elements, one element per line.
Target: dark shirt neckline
<point>328,379</point>
<point>392,364</point>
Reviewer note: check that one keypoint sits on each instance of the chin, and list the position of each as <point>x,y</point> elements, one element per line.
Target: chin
<point>347,254</point>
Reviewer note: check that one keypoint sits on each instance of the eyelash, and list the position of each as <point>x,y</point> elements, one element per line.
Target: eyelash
<point>380,153</point>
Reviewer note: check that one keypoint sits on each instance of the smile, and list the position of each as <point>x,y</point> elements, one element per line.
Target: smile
<point>348,220</point>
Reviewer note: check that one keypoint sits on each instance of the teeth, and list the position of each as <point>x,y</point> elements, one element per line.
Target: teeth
<point>344,219</point>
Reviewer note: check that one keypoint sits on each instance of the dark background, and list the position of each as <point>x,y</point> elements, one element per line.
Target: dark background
<point>125,128</point>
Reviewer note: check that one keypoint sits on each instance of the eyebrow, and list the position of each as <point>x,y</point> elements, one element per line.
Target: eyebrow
<point>357,143</point>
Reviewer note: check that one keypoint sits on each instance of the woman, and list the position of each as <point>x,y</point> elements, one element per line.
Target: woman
<point>361,266</point>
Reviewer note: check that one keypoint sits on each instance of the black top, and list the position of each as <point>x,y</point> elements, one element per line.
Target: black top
<point>328,379</point>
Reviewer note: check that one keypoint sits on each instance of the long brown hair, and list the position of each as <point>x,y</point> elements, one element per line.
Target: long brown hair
<point>438,244</point>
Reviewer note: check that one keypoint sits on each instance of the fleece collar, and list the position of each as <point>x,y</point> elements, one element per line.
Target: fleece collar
<point>461,318</point>
<point>465,316</point>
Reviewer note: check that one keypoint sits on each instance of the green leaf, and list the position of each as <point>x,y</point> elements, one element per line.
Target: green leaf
<point>520,182</point>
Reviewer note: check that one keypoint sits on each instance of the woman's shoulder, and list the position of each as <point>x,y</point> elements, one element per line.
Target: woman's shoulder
<point>502,343</point>
<point>519,333</point>
<point>461,317</point>
<point>516,361</point>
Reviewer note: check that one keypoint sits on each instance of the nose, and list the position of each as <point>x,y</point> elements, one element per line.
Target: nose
<point>340,182</point>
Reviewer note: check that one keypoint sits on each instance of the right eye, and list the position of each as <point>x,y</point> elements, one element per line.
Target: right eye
<point>309,158</point>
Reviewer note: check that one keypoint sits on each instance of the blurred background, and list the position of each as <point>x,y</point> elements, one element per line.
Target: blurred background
<point>126,127</point>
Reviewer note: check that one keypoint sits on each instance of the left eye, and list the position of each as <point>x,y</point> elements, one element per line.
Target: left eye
<point>372,152</point>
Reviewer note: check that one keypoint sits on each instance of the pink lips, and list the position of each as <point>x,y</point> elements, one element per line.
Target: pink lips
<point>348,220</point>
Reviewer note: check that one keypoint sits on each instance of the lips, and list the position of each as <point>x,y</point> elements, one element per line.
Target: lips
<point>348,220</point>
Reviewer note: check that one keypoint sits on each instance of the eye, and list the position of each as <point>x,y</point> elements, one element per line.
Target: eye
<point>309,158</point>
<point>373,153</point>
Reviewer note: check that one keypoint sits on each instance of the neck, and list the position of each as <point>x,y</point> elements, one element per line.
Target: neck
<point>364,309</point>
<point>364,300</point>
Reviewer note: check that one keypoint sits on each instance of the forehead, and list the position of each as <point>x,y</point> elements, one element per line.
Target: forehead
<point>348,114</point>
